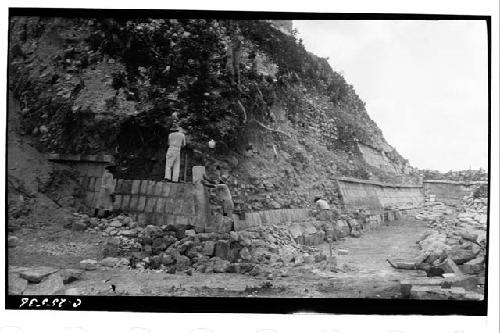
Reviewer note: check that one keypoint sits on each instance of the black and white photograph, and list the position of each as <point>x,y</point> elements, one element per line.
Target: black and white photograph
<point>223,157</point>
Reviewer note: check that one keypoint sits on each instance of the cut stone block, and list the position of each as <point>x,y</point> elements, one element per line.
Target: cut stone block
<point>150,204</point>
<point>141,204</point>
<point>166,189</point>
<point>169,206</point>
<point>449,266</point>
<point>181,220</point>
<point>89,264</point>
<point>118,202</point>
<point>158,189</point>
<point>136,184</point>
<point>125,202</point>
<point>144,187</point>
<point>160,205</point>
<point>473,266</point>
<point>134,200</point>
<point>222,249</point>
<point>198,173</point>
<point>460,256</point>
<point>151,187</point>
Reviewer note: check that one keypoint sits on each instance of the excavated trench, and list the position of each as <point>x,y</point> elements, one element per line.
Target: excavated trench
<point>363,272</point>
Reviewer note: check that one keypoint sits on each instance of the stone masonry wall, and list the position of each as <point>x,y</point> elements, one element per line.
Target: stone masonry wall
<point>355,193</point>
<point>447,191</point>
<point>86,165</point>
<point>271,217</point>
<point>156,202</point>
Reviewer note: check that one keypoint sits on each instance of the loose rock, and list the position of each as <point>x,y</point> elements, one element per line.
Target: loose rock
<point>36,274</point>
<point>17,285</point>
<point>49,286</point>
<point>89,264</point>
<point>13,241</point>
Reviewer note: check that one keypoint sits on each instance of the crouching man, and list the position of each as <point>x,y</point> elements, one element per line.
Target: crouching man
<point>222,192</point>
<point>329,217</point>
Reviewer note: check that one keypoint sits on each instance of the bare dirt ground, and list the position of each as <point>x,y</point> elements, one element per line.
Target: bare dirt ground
<point>366,273</point>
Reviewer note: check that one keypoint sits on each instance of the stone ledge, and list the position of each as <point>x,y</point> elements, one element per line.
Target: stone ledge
<point>372,182</point>
<point>81,158</point>
<point>452,182</point>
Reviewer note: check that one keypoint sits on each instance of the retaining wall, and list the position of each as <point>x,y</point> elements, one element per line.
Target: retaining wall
<point>271,217</point>
<point>156,202</point>
<point>449,192</point>
<point>356,193</point>
<point>86,165</point>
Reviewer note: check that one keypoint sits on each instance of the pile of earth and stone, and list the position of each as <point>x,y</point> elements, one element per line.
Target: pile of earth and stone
<point>266,251</point>
<point>456,245</point>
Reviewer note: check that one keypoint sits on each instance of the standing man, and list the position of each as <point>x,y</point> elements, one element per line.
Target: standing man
<point>176,140</point>
<point>106,192</point>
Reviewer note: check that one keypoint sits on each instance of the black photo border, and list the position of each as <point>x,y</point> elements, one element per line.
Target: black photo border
<point>259,305</point>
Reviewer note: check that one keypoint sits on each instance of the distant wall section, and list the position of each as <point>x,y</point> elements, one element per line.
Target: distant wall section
<point>450,192</point>
<point>357,193</point>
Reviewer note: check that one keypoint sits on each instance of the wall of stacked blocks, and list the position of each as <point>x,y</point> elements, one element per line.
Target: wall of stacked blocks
<point>376,196</point>
<point>155,202</point>
<point>449,192</point>
<point>164,203</point>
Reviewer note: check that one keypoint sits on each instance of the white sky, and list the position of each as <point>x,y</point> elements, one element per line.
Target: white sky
<point>425,83</point>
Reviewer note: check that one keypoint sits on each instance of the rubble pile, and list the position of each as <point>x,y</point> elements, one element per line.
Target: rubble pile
<point>261,251</point>
<point>456,244</point>
<point>313,232</point>
<point>460,234</point>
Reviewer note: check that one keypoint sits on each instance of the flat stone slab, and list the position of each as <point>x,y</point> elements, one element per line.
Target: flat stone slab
<point>110,261</point>
<point>17,285</point>
<point>128,233</point>
<point>89,264</point>
<point>436,292</point>
<point>72,292</point>
<point>452,281</point>
<point>36,274</point>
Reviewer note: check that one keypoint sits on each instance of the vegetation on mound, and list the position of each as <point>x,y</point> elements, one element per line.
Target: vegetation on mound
<point>152,68</point>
